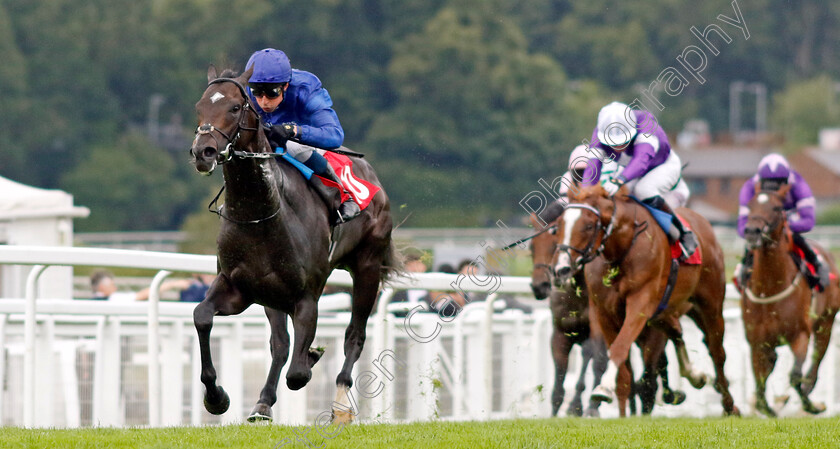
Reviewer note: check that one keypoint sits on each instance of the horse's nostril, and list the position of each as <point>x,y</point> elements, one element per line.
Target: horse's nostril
<point>564,271</point>
<point>209,152</point>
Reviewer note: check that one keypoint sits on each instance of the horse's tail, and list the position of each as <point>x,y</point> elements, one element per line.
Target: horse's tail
<point>393,264</point>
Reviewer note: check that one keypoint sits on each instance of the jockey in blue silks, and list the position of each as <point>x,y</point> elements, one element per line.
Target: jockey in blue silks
<point>296,111</point>
<point>800,207</point>
<point>647,164</point>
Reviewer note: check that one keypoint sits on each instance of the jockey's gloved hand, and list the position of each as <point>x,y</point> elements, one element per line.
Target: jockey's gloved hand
<point>279,134</point>
<point>613,185</point>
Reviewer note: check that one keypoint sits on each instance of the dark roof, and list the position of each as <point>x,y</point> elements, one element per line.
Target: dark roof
<point>721,162</point>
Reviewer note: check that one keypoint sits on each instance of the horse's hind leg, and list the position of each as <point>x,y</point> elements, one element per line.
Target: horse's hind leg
<point>279,345</point>
<point>669,396</point>
<point>365,289</point>
<point>710,322</point>
<point>599,365</point>
<point>800,350</point>
<point>221,299</point>
<point>654,343</point>
<point>763,361</point>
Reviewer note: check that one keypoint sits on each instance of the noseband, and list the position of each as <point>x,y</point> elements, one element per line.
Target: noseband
<point>231,138</point>
<point>769,228</point>
<point>587,254</point>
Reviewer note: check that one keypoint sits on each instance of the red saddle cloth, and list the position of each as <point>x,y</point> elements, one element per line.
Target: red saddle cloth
<point>811,268</point>
<point>361,190</point>
<point>694,259</point>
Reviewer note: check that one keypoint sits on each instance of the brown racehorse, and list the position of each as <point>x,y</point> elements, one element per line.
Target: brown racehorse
<point>626,284</point>
<point>777,304</point>
<point>572,324</point>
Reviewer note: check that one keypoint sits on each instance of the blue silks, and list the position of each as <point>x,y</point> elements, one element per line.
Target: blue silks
<point>306,171</point>
<point>662,218</point>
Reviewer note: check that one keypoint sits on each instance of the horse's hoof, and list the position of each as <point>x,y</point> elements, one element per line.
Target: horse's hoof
<point>602,394</point>
<point>765,409</point>
<point>699,381</point>
<point>592,412</point>
<point>261,413</point>
<point>673,397</point>
<point>342,416</point>
<point>734,412</point>
<point>219,407</point>
<point>296,381</point>
<point>814,408</point>
<point>315,355</point>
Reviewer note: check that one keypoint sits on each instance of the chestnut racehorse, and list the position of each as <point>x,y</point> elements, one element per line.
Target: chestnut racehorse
<point>777,304</point>
<point>627,274</point>
<point>572,324</point>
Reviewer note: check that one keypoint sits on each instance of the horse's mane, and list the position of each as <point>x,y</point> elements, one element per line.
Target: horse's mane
<point>553,210</point>
<point>228,73</point>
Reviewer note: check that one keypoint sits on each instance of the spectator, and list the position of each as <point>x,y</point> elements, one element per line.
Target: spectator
<point>104,287</point>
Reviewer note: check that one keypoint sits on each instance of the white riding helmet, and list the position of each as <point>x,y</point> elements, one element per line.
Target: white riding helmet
<point>616,124</point>
<point>579,158</point>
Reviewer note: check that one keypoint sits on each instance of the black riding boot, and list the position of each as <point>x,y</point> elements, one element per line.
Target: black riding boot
<point>821,278</point>
<point>677,232</point>
<point>347,210</point>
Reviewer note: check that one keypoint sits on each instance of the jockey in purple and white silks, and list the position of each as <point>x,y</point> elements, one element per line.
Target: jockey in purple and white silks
<point>800,207</point>
<point>652,170</point>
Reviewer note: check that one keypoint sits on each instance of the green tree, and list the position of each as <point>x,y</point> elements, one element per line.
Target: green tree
<point>803,108</point>
<point>129,186</point>
<point>477,117</point>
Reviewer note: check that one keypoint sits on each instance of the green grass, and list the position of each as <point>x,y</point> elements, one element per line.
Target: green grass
<point>716,433</point>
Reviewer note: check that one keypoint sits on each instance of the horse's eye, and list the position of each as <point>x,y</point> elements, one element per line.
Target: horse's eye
<point>589,227</point>
<point>236,108</point>
<point>778,209</point>
<point>552,231</point>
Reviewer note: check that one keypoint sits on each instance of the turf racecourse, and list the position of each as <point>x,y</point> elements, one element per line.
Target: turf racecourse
<point>811,433</point>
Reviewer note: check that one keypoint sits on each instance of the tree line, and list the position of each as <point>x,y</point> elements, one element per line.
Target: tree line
<point>461,105</point>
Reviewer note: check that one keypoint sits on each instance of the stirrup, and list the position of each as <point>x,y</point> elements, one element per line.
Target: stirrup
<point>348,210</point>
<point>688,243</point>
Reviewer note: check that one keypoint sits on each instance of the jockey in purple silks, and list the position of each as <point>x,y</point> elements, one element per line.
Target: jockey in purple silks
<point>634,140</point>
<point>800,206</point>
<point>296,111</point>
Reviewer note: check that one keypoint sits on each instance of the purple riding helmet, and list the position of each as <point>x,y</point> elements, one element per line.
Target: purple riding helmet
<point>773,171</point>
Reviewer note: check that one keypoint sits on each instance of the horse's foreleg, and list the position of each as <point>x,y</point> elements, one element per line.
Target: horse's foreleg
<point>561,345</point>
<point>279,345</point>
<point>221,299</point>
<point>304,320</point>
<point>624,385</point>
<point>634,321</point>
<point>763,361</point>
<point>576,406</point>
<point>799,346</point>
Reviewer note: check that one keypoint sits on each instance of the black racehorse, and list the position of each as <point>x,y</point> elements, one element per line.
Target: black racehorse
<point>276,247</point>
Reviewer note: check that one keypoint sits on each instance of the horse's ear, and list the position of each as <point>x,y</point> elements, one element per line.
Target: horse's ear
<point>211,73</point>
<point>246,75</point>
<point>783,190</point>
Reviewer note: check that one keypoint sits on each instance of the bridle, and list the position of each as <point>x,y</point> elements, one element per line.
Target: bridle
<point>590,252</point>
<point>769,226</point>
<point>232,137</point>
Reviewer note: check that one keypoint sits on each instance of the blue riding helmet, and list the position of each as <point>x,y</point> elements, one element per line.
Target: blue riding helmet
<point>270,66</point>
